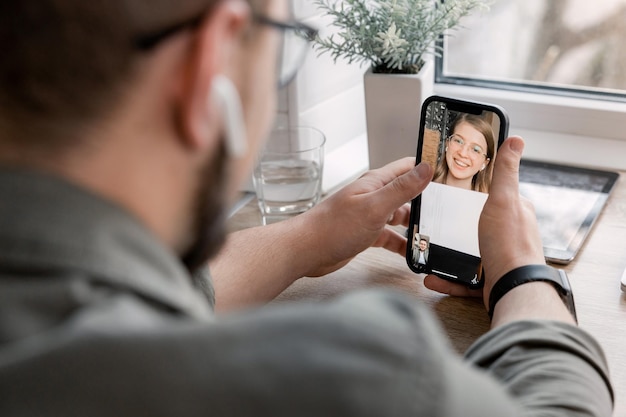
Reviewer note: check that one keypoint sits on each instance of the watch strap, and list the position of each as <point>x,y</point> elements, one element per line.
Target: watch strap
<point>531,273</point>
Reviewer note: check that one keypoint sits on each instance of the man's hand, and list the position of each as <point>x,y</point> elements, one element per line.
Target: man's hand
<point>257,264</point>
<point>508,233</point>
<point>356,217</point>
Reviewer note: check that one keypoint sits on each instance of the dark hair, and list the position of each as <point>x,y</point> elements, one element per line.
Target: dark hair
<point>66,62</point>
<point>482,179</point>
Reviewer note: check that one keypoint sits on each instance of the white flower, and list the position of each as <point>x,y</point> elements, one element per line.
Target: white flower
<point>392,43</point>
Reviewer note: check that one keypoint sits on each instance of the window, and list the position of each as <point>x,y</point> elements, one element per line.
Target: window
<point>557,66</point>
<point>572,47</point>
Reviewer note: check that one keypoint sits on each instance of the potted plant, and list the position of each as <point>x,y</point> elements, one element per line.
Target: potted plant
<point>397,38</point>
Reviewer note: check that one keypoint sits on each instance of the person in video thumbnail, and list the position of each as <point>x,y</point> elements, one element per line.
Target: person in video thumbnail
<point>420,254</point>
<point>469,150</point>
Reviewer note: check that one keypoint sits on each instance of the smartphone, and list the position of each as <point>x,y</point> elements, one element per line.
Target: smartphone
<point>459,139</point>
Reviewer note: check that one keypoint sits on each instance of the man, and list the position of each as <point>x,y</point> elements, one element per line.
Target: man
<point>121,146</point>
<point>421,255</point>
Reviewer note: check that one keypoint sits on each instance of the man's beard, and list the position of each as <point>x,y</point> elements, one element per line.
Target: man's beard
<point>209,215</point>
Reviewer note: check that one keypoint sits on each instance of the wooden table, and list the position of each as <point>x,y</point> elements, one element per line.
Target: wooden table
<point>594,275</point>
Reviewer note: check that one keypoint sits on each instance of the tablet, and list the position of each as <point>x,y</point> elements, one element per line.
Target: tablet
<point>567,200</point>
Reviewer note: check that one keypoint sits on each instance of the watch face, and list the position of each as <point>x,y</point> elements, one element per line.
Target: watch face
<point>568,299</point>
<point>563,280</point>
<point>566,293</point>
<point>571,306</point>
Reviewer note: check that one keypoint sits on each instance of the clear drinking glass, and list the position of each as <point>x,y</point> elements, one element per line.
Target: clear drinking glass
<point>288,175</point>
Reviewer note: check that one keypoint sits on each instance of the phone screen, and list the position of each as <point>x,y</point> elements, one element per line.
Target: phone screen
<point>459,140</point>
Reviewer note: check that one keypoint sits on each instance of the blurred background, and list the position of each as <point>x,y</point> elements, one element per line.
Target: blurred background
<point>561,43</point>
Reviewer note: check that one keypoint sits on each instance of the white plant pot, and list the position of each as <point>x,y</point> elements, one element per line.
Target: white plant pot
<point>392,106</point>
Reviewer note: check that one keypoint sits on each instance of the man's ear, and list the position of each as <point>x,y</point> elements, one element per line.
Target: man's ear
<point>216,42</point>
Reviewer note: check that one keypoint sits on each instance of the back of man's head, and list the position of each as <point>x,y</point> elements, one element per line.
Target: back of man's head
<point>66,62</point>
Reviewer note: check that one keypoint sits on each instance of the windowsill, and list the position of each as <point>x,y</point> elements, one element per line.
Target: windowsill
<point>573,150</point>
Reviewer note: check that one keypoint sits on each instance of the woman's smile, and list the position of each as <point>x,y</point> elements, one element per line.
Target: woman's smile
<point>461,163</point>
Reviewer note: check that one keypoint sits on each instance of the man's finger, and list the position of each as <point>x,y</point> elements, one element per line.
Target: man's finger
<point>392,170</point>
<point>400,216</point>
<point>435,283</point>
<point>404,188</point>
<point>392,241</point>
<point>506,170</point>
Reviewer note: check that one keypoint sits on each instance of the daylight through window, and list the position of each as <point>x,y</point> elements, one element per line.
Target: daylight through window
<point>563,46</point>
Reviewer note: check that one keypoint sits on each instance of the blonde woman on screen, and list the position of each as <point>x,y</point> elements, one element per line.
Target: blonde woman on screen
<point>469,150</point>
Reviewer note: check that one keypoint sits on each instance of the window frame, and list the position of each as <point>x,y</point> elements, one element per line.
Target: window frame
<point>539,88</point>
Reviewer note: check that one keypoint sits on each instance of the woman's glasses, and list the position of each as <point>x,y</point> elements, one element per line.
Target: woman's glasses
<point>294,46</point>
<point>458,142</point>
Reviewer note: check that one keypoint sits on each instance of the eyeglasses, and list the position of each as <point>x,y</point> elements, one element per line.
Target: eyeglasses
<point>294,46</point>
<point>458,142</point>
<point>297,37</point>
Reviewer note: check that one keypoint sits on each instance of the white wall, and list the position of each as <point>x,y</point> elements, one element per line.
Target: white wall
<point>330,97</point>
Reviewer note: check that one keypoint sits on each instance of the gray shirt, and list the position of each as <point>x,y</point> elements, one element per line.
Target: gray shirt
<point>97,318</point>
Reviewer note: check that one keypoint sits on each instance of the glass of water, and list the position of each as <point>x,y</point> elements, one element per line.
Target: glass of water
<point>288,175</point>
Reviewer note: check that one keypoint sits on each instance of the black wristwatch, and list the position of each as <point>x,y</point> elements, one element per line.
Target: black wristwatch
<point>530,273</point>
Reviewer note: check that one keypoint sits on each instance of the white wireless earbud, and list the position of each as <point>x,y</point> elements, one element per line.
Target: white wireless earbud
<point>226,96</point>
<point>446,149</point>
<point>483,167</point>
